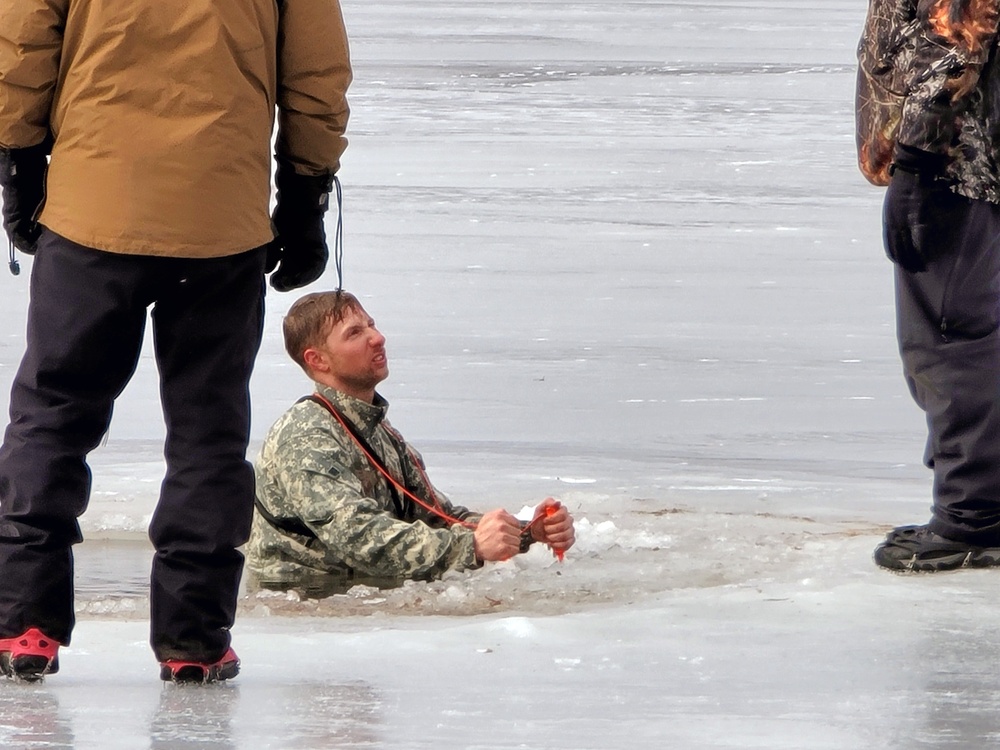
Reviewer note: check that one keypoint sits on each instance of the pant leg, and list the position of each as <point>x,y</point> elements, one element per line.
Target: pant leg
<point>207,325</point>
<point>948,325</point>
<point>84,333</point>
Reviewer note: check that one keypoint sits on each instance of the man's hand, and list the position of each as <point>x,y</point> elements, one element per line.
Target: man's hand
<point>553,527</point>
<point>497,536</point>
<point>917,209</point>
<point>22,176</point>
<point>299,251</point>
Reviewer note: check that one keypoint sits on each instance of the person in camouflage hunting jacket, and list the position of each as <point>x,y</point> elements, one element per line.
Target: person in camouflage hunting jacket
<point>326,516</point>
<point>928,127</point>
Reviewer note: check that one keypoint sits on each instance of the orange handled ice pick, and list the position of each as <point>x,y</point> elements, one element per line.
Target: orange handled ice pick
<point>550,510</point>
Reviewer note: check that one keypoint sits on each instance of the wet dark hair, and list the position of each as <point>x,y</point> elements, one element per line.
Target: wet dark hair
<point>310,319</point>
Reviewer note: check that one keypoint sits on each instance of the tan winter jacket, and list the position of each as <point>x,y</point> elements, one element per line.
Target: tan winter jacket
<point>163,111</point>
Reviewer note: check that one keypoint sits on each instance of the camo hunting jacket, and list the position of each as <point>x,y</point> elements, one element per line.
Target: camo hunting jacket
<point>344,519</point>
<point>927,78</point>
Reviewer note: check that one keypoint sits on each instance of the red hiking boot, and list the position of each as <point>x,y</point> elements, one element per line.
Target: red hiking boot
<point>178,670</point>
<point>30,656</point>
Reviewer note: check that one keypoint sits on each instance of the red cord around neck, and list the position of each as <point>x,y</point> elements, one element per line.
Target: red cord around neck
<point>434,509</point>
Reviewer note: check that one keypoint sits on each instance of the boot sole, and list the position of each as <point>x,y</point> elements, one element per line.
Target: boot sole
<point>940,561</point>
<point>192,674</point>
<point>27,667</point>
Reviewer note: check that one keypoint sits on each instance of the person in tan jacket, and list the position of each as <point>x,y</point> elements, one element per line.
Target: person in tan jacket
<point>135,163</point>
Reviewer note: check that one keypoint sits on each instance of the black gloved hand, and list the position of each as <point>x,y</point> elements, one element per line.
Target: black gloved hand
<point>22,177</point>
<point>299,251</point>
<point>917,207</point>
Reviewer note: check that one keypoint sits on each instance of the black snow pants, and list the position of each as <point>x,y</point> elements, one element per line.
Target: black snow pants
<point>86,320</point>
<point>948,326</point>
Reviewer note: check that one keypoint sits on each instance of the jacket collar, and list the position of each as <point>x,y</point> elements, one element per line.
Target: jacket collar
<point>364,416</point>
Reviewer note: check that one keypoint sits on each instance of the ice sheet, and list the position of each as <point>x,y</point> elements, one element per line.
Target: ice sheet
<point>623,256</point>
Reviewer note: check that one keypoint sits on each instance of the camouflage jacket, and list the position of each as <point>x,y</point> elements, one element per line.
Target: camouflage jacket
<point>312,474</point>
<point>928,78</point>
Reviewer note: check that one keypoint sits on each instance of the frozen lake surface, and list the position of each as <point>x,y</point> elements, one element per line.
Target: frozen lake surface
<point>623,256</point>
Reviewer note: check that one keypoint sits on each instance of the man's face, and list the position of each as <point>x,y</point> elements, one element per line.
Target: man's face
<point>354,355</point>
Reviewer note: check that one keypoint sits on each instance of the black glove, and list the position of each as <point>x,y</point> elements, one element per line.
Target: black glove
<point>22,177</point>
<point>299,252</point>
<point>916,214</point>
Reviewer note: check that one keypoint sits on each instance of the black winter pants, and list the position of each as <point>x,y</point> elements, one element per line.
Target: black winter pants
<point>85,327</point>
<point>948,326</point>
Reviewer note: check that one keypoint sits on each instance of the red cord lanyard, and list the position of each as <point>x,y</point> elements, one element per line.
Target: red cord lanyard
<point>435,509</point>
<point>374,461</point>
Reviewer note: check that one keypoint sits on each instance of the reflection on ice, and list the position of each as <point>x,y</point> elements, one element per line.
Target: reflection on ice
<point>30,719</point>
<point>320,715</point>
<point>308,715</point>
<point>190,718</point>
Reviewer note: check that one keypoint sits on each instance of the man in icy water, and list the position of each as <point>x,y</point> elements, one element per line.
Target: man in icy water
<point>342,498</point>
<point>159,118</point>
<point>928,119</point>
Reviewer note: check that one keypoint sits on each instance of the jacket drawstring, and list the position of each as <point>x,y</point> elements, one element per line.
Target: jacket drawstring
<point>15,267</point>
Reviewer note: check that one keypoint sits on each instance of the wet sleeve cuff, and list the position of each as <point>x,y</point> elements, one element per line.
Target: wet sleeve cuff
<point>917,161</point>
<point>526,538</point>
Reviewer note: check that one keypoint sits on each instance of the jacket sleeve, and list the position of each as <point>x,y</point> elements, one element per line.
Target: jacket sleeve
<point>885,57</point>
<point>353,527</point>
<point>31,34</point>
<point>954,41</point>
<point>314,73</point>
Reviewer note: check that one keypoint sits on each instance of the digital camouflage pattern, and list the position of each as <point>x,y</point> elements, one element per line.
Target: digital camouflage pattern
<point>927,78</point>
<point>311,470</point>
